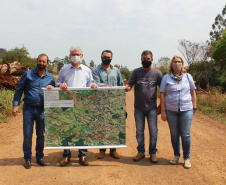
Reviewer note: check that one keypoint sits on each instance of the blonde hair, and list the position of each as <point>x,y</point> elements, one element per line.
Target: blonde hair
<point>170,70</point>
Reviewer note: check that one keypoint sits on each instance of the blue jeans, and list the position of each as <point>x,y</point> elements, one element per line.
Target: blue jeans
<point>140,126</point>
<point>180,125</point>
<point>81,153</point>
<point>31,114</point>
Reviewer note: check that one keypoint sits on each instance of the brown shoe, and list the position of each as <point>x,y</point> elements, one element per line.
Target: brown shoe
<point>101,155</point>
<point>64,161</point>
<point>153,158</point>
<point>83,161</point>
<point>27,164</point>
<point>115,155</point>
<point>138,157</point>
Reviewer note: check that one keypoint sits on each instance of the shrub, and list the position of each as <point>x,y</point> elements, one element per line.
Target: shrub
<point>6,98</point>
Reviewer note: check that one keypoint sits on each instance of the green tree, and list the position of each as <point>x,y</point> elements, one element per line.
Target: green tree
<point>117,66</point>
<point>164,62</point>
<point>204,73</point>
<point>59,66</point>
<point>50,68</point>
<point>91,64</point>
<point>16,54</point>
<point>219,51</point>
<point>84,62</point>
<point>218,26</point>
<point>66,60</point>
<point>219,56</point>
<point>56,61</point>
<point>21,55</point>
<point>125,72</point>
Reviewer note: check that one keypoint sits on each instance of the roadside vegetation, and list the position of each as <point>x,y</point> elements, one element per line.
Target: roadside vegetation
<point>212,104</point>
<point>6,98</point>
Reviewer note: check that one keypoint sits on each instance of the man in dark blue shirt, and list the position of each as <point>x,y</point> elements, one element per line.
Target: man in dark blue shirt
<point>31,84</point>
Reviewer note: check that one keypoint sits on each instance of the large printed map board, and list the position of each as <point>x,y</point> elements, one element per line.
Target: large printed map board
<point>85,118</point>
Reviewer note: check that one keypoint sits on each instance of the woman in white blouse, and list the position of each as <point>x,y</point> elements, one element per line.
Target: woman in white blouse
<point>178,103</point>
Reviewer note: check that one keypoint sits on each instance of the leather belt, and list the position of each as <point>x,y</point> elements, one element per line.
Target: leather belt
<point>36,106</point>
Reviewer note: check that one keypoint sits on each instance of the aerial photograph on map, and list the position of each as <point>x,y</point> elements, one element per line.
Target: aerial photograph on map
<point>97,118</point>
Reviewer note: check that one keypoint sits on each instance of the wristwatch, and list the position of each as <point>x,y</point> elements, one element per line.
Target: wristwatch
<point>195,109</point>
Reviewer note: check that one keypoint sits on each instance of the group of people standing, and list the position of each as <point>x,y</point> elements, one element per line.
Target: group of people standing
<point>177,102</point>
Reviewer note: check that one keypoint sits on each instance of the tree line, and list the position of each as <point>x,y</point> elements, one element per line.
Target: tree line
<point>22,55</point>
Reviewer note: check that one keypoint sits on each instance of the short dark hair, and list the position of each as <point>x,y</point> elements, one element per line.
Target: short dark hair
<point>147,52</point>
<point>43,54</point>
<point>107,51</point>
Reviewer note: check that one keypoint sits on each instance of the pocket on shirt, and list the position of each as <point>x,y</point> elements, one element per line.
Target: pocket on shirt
<point>113,81</point>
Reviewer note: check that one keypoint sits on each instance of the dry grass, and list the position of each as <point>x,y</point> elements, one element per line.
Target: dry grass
<point>55,77</point>
<point>6,98</point>
<point>212,104</point>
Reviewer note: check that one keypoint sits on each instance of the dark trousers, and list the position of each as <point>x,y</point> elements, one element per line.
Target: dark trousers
<point>31,114</point>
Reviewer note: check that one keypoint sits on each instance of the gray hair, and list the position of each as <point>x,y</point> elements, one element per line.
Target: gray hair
<point>147,52</point>
<point>73,48</point>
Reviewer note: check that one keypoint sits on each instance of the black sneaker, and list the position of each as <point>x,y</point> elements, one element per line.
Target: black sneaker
<point>27,164</point>
<point>41,162</point>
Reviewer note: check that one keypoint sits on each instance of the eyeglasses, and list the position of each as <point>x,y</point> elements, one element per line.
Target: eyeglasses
<point>177,62</point>
<point>75,54</point>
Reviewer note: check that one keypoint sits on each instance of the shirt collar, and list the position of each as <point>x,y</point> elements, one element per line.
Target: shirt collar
<point>111,67</point>
<point>172,75</point>
<point>79,67</point>
<point>36,71</point>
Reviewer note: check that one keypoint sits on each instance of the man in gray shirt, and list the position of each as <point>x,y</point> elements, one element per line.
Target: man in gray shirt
<point>106,75</point>
<point>75,75</point>
<point>146,80</point>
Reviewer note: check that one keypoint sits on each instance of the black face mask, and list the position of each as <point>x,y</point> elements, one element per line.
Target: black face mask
<point>146,63</point>
<point>41,67</point>
<point>106,60</point>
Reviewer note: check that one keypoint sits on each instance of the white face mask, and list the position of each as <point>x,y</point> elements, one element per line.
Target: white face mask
<point>75,59</point>
<point>177,66</point>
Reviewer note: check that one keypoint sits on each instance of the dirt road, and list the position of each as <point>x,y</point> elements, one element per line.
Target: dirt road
<point>208,156</point>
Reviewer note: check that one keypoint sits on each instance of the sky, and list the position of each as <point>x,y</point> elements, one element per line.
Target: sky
<point>126,27</point>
